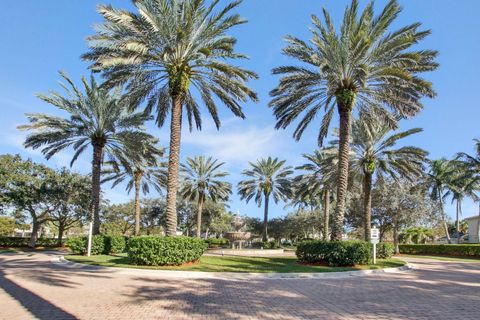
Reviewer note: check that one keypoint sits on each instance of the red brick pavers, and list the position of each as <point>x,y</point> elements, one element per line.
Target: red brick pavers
<point>32,287</point>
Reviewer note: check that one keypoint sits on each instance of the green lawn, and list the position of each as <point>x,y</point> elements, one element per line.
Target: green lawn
<point>443,258</point>
<point>234,264</point>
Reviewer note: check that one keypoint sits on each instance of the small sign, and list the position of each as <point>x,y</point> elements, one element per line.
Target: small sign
<point>374,234</point>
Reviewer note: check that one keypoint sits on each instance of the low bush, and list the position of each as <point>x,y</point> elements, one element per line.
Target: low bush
<point>467,250</point>
<point>217,242</point>
<point>16,242</point>
<point>78,245</point>
<point>385,250</point>
<point>334,253</point>
<point>115,244</point>
<point>265,245</point>
<point>164,251</point>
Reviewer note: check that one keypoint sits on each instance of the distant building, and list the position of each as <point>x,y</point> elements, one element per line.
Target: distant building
<point>473,232</point>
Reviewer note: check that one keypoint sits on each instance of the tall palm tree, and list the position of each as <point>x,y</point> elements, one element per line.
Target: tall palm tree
<point>163,53</point>
<point>361,66</point>
<point>98,118</point>
<point>140,173</point>
<point>267,177</point>
<point>438,181</point>
<point>374,152</point>
<point>202,180</point>
<point>318,181</point>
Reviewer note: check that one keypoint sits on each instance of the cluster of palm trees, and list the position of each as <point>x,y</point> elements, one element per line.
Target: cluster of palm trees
<point>171,55</point>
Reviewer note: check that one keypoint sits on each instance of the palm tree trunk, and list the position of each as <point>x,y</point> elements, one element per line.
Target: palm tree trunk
<point>173,163</point>
<point>342,182</point>
<point>138,179</point>
<point>395,234</point>
<point>96,170</point>
<point>199,217</point>
<point>367,204</point>
<point>265,219</point>
<point>326,214</point>
<point>445,226</point>
<point>457,224</point>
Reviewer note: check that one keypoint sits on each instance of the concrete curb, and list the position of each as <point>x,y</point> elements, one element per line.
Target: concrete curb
<point>230,275</point>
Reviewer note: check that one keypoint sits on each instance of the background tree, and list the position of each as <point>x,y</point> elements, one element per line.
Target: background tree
<point>267,177</point>
<point>141,173</point>
<point>357,66</point>
<point>7,226</point>
<point>374,152</point>
<point>98,118</point>
<point>163,52</point>
<point>117,219</point>
<point>201,180</point>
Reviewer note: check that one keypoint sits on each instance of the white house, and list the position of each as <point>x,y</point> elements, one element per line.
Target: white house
<point>473,229</point>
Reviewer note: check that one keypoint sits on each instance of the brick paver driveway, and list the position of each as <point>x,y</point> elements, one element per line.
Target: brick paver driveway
<point>31,286</point>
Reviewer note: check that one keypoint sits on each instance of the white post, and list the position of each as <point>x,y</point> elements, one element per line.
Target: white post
<point>89,245</point>
<point>374,253</point>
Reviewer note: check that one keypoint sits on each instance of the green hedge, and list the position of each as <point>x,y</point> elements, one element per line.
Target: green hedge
<point>385,250</point>
<point>217,242</point>
<point>100,244</point>
<point>161,251</point>
<point>16,242</point>
<point>469,250</point>
<point>265,245</point>
<point>334,253</point>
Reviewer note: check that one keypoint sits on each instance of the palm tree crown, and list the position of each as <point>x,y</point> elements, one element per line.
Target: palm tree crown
<point>163,53</point>
<point>360,66</point>
<point>202,180</point>
<point>98,118</point>
<point>267,177</point>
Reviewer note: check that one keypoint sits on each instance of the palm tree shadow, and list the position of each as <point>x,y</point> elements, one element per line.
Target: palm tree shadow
<point>36,305</point>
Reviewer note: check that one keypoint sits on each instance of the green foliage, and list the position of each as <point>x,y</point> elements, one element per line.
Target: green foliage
<point>115,244</point>
<point>18,242</point>
<point>265,245</point>
<point>78,245</point>
<point>385,250</point>
<point>160,251</point>
<point>217,242</point>
<point>416,235</point>
<point>7,226</point>
<point>334,253</point>
<point>441,249</point>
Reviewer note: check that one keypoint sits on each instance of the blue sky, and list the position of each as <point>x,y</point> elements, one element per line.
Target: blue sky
<point>41,37</point>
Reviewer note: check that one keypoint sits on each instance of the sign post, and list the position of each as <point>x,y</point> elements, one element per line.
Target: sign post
<point>374,239</point>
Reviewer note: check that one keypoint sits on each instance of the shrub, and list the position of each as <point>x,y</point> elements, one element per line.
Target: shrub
<point>470,250</point>
<point>23,242</point>
<point>78,245</point>
<point>217,242</point>
<point>161,251</point>
<point>334,253</point>
<point>385,250</point>
<point>265,245</point>
<point>115,244</point>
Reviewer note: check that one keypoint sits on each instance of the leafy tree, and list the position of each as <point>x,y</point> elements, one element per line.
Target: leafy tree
<point>7,226</point>
<point>417,235</point>
<point>28,188</point>
<point>141,173</point>
<point>167,50</point>
<point>221,223</point>
<point>117,219</point>
<point>98,118</point>
<point>374,152</point>
<point>201,180</point>
<point>267,177</point>
<point>72,195</point>
<point>357,66</point>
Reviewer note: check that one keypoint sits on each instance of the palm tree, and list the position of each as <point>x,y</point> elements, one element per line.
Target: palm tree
<point>361,66</point>
<point>163,53</point>
<point>140,173</point>
<point>438,181</point>
<point>375,153</point>
<point>201,180</point>
<point>267,177</point>
<point>98,118</point>
<point>318,181</point>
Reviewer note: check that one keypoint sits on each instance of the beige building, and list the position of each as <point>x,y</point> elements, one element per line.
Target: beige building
<point>473,229</point>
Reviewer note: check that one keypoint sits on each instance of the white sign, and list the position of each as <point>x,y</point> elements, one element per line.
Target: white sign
<point>374,239</point>
<point>374,234</point>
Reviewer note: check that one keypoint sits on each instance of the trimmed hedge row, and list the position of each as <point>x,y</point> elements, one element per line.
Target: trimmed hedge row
<point>470,250</point>
<point>16,242</point>
<point>341,253</point>
<point>100,244</point>
<point>164,251</point>
<point>265,245</point>
<point>217,242</point>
